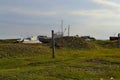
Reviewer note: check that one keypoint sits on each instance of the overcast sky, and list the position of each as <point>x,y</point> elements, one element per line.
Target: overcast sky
<point>97,18</point>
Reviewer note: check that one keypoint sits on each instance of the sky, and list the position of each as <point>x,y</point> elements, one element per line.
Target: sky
<point>96,18</point>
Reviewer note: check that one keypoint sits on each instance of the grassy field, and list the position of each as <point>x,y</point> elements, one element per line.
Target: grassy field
<point>34,62</point>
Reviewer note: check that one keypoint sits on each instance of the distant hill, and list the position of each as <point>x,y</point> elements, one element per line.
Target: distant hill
<point>74,43</point>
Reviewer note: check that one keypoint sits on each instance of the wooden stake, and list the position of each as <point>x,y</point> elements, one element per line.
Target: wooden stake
<point>119,40</point>
<point>53,45</point>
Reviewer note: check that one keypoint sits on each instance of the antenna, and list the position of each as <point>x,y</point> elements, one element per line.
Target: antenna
<point>62,28</point>
<point>68,30</point>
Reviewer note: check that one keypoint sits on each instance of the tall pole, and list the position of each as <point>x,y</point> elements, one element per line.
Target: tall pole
<point>68,30</point>
<point>53,45</point>
<point>119,40</point>
<point>62,28</point>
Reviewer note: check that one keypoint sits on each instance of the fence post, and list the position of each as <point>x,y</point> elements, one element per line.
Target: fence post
<point>119,40</point>
<point>53,45</point>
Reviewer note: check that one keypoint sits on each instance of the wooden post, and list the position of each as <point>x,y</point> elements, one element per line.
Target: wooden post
<point>119,40</point>
<point>53,45</point>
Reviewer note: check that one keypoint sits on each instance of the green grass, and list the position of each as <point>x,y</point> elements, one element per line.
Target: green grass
<point>34,62</point>
<point>8,41</point>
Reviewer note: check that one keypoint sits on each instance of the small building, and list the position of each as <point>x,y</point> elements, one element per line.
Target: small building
<point>113,38</point>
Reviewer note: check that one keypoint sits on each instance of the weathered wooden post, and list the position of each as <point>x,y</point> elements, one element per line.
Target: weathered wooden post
<point>119,40</point>
<point>53,45</point>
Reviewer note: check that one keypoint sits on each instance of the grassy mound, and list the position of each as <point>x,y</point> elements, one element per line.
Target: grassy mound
<point>74,43</point>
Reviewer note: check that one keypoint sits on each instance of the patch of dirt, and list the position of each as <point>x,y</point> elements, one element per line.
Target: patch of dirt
<point>87,68</point>
<point>100,61</point>
<point>43,63</point>
<point>113,56</point>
